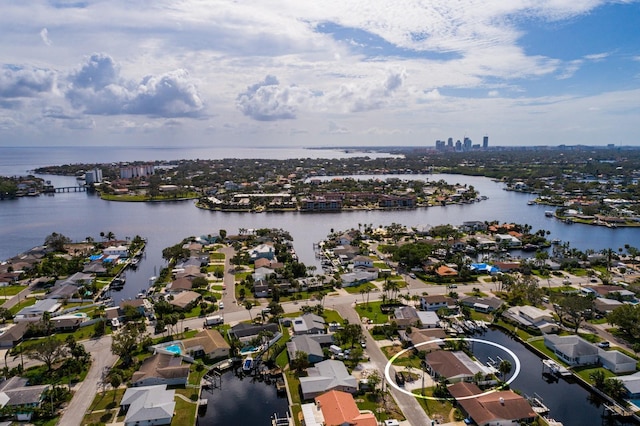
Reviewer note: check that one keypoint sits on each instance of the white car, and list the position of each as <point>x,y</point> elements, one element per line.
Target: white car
<point>221,305</point>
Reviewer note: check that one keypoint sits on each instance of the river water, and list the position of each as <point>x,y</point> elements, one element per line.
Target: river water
<point>25,222</point>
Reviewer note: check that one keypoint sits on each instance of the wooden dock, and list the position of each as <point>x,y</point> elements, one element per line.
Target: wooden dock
<point>618,410</point>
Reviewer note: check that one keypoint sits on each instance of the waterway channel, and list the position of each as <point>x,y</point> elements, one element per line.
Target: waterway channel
<point>241,400</point>
<point>567,400</point>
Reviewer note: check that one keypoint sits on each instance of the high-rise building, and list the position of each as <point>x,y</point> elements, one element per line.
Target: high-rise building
<point>440,145</point>
<point>450,142</point>
<point>458,145</point>
<point>485,142</point>
<point>467,144</point>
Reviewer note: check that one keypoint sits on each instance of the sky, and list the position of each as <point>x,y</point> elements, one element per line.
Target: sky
<point>318,73</point>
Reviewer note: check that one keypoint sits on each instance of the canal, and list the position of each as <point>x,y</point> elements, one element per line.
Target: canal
<point>567,400</point>
<point>241,400</point>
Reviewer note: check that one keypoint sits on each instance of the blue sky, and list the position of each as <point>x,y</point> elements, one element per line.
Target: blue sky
<point>318,73</point>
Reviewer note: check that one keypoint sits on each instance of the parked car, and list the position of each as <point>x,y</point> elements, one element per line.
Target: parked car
<point>221,305</point>
<point>604,344</point>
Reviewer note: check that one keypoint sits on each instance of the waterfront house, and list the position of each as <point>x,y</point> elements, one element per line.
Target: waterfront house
<point>21,398</point>
<point>309,324</point>
<point>573,350</point>
<point>435,302</point>
<point>246,332</point>
<point>263,251</point>
<point>208,342</point>
<point>148,405</point>
<point>508,240</point>
<point>508,266</point>
<point>119,251</point>
<point>532,317</point>
<point>493,408</point>
<point>179,285</point>
<point>482,304</point>
<point>363,262</point>
<point>34,312</point>
<point>631,384</point>
<point>308,345</point>
<point>454,366</point>
<point>161,369</point>
<point>185,300</point>
<point>143,306</point>
<point>325,376</point>
<point>336,408</point>
<point>616,361</point>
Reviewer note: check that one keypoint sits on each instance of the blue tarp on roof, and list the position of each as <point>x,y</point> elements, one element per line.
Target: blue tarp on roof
<point>95,256</point>
<point>483,267</point>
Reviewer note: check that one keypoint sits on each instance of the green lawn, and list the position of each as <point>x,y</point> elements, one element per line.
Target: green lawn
<point>584,373</point>
<point>435,409</point>
<point>356,289</point>
<point>11,290</point>
<point>185,412</point>
<point>373,312</point>
<point>217,256</point>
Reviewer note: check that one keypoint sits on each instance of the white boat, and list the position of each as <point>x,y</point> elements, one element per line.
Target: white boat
<point>556,368</point>
<point>549,213</point>
<point>247,364</point>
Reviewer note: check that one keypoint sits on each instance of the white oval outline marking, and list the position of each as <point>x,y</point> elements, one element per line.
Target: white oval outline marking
<point>453,339</point>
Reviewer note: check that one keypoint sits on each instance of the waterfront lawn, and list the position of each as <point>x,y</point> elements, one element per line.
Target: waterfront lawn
<point>294,386</point>
<point>196,373</point>
<point>185,411</point>
<point>585,373</point>
<point>539,345</point>
<point>373,312</point>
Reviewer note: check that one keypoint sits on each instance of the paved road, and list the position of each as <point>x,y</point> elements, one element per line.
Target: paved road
<point>102,358</point>
<point>407,404</point>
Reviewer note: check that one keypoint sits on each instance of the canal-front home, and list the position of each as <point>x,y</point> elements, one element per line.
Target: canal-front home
<point>335,408</point>
<point>497,408</point>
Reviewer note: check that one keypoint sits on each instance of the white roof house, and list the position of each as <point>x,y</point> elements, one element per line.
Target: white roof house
<point>530,316</point>
<point>325,376</point>
<point>148,405</point>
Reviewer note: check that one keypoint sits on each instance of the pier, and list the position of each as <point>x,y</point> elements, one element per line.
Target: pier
<point>61,189</point>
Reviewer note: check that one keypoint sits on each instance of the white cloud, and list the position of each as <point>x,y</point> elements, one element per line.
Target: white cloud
<point>44,35</point>
<point>97,88</point>
<point>16,81</point>
<point>356,97</point>
<point>268,101</point>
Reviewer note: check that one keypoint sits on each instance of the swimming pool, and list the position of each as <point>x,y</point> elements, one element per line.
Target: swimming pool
<point>174,349</point>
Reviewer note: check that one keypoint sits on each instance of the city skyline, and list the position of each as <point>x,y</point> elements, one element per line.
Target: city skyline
<point>285,73</point>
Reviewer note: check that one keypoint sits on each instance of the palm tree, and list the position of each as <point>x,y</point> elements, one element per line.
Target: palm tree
<point>248,305</point>
<point>110,236</point>
<point>504,368</point>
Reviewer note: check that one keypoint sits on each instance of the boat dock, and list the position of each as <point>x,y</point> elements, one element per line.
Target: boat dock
<point>555,368</point>
<point>618,410</point>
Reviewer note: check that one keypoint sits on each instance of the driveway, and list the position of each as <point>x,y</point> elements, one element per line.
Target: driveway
<point>85,392</point>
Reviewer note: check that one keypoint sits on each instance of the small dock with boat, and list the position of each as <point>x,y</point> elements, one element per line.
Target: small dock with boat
<point>549,365</point>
